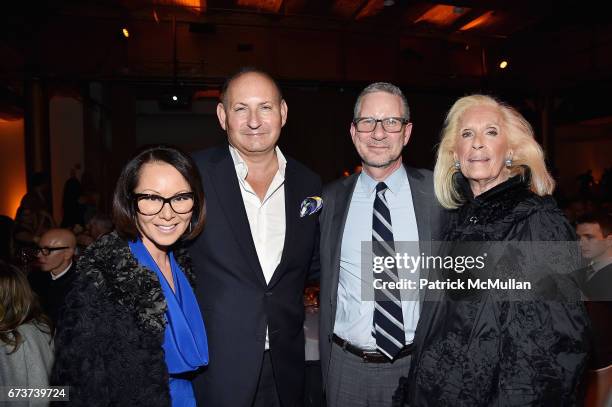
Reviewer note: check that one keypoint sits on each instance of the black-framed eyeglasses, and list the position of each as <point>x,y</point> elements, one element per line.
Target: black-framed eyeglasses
<point>47,250</point>
<point>389,124</point>
<point>151,204</point>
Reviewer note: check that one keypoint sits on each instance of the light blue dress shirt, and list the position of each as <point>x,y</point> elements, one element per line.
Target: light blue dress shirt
<point>355,309</point>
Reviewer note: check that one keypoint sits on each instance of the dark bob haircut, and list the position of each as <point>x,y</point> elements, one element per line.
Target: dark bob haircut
<point>124,206</point>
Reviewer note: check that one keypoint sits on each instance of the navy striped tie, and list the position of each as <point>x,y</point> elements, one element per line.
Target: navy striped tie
<point>388,328</point>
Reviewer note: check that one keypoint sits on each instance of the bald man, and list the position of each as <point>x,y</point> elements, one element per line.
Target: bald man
<point>57,272</point>
<point>253,256</point>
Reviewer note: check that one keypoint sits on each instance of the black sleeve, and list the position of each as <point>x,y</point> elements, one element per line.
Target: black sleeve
<point>544,342</point>
<point>80,343</point>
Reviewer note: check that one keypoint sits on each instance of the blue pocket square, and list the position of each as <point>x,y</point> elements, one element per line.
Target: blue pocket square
<point>310,205</point>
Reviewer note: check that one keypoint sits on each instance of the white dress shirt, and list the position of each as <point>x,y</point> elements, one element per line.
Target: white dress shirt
<point>266,217</point>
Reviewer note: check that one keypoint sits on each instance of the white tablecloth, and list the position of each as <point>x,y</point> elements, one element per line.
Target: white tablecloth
<point>311,333</point>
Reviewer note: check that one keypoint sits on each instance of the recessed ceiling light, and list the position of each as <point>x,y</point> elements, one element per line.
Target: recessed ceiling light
<point>388,3</point>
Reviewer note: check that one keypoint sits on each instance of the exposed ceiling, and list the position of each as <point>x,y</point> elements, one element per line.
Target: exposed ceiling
<point>550,46</point>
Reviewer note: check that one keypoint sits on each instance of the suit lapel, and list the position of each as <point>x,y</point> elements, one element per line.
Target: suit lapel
<point>421,201</point>
<point>342,201</point>
<point>225,183</point>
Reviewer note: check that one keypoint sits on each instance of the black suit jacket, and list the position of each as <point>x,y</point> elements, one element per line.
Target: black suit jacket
<point>235,300</point>
<point>336,201</point>
<point>52,293</point>
<point>598,291</point>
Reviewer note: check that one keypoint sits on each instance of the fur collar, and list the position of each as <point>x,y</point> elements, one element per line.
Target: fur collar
<point>117,274</point>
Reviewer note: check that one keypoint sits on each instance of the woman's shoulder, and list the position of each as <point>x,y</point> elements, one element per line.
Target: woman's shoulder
<point>34,329</point>
<point>37,334</point>
<point>545,220</point>
<point>31,363</point>
<point>104,257</point>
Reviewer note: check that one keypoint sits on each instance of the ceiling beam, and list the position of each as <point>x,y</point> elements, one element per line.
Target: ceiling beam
<point>510,5</point>
<point>466,18</point>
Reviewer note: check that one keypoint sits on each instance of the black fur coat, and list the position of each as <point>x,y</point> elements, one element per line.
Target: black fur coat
<point>109,338</point>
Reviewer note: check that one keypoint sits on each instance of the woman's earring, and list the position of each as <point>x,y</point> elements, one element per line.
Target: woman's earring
<point>189,226</point>
<point>508,162</point>
<point>457,165</point>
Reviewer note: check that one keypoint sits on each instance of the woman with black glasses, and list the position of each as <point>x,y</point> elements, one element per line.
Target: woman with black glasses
<point>132,333</point>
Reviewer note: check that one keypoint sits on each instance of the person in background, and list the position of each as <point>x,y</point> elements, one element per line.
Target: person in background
<point>73,212</point>
<point>494,347</point>
<point>34,213</point>
<point>56,270</point>
<point>594,232</point>
<point>26,346</point>
<point>6,238</point>
<point>132,333</point>
<point>98,226</point>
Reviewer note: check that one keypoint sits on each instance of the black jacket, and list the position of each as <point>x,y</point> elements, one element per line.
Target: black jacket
<point>109,338</point>
<point>490,350</point>
<point>52,293</point>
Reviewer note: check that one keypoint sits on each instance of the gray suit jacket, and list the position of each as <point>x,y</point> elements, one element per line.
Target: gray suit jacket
<point>336,199</point>
<point>30,365</point>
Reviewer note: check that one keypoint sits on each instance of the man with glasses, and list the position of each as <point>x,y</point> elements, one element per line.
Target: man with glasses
<point>52,283</point>
<point>366,337</point>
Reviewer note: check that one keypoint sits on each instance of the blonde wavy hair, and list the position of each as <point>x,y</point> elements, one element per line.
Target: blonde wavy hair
<point>526,152</point>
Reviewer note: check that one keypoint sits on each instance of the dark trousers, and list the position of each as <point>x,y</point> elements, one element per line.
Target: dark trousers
<point>266,395</point>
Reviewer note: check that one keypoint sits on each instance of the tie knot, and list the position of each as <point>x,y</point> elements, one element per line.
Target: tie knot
<point>381,187</point>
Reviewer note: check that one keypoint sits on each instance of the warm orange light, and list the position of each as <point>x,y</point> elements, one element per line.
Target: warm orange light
<point>442,15</point>
<point>207,94</point>
<point>482,20</point>
<point>265,5</point>
<point>191,5</point>
<point>125,32</point>
<point>503,64</point>
<point>372,8</point>
<point>12,166</point>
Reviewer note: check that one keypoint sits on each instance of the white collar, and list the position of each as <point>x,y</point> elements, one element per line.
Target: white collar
<point>598,265</point>
<point>242,170</point>
<point>58,276</point>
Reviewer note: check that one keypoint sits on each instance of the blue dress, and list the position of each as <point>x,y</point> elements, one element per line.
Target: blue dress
<point>185,343</point>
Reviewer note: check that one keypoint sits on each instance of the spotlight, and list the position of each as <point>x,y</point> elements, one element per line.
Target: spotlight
<point>176,100</point>
<point>503,64</point>
<point>125,32</point>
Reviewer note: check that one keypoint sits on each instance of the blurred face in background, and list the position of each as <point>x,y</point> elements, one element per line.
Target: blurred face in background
<point>60,244</point>
<point>594,245</point>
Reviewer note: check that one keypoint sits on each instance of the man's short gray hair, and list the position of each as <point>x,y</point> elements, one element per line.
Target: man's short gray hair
<point>382,87</point>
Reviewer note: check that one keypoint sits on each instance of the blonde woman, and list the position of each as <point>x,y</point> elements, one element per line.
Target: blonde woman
<point>486,347</point>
